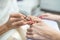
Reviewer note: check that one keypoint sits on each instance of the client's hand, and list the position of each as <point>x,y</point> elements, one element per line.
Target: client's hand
<point>41,31</point>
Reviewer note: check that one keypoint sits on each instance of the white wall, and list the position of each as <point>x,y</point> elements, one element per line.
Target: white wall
<point>51,4</point>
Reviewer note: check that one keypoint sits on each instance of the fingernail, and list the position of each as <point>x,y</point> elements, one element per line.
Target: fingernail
<point>41,17</point>
<point>31,22</point>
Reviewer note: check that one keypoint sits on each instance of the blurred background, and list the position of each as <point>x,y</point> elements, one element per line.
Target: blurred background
<point>44,5</point>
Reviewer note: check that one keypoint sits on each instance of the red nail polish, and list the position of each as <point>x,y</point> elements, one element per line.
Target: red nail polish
<point>31,22</point>
<point>41,17</point>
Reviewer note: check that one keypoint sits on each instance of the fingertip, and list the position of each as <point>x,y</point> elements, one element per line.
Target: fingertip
<point>29,36</point>
<point>41,17</point>
<point>30,30</point>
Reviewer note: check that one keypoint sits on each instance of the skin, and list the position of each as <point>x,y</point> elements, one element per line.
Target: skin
<point>16,20</point>
<point>50,16</point>
<point>41,31</point>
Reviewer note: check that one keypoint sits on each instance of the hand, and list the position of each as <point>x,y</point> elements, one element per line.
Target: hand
<point>41,31</point>
<point>50,16</point>
<point>16,20</point>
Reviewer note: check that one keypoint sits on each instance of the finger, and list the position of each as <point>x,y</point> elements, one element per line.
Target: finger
<point>19,23</point>
<point>35,19</point>
<point>17,15</point>
<point>44,16</point>
<point>38,37</point>
<point>29,36</point>
<point>30,30</point>
<point>22,17</point>
<point>29,33</point>
<point>15,19</point>
<point>28,18</point>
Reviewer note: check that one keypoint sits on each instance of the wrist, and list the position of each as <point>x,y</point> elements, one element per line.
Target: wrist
<point>7,26</point>
<point>4,28</point>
